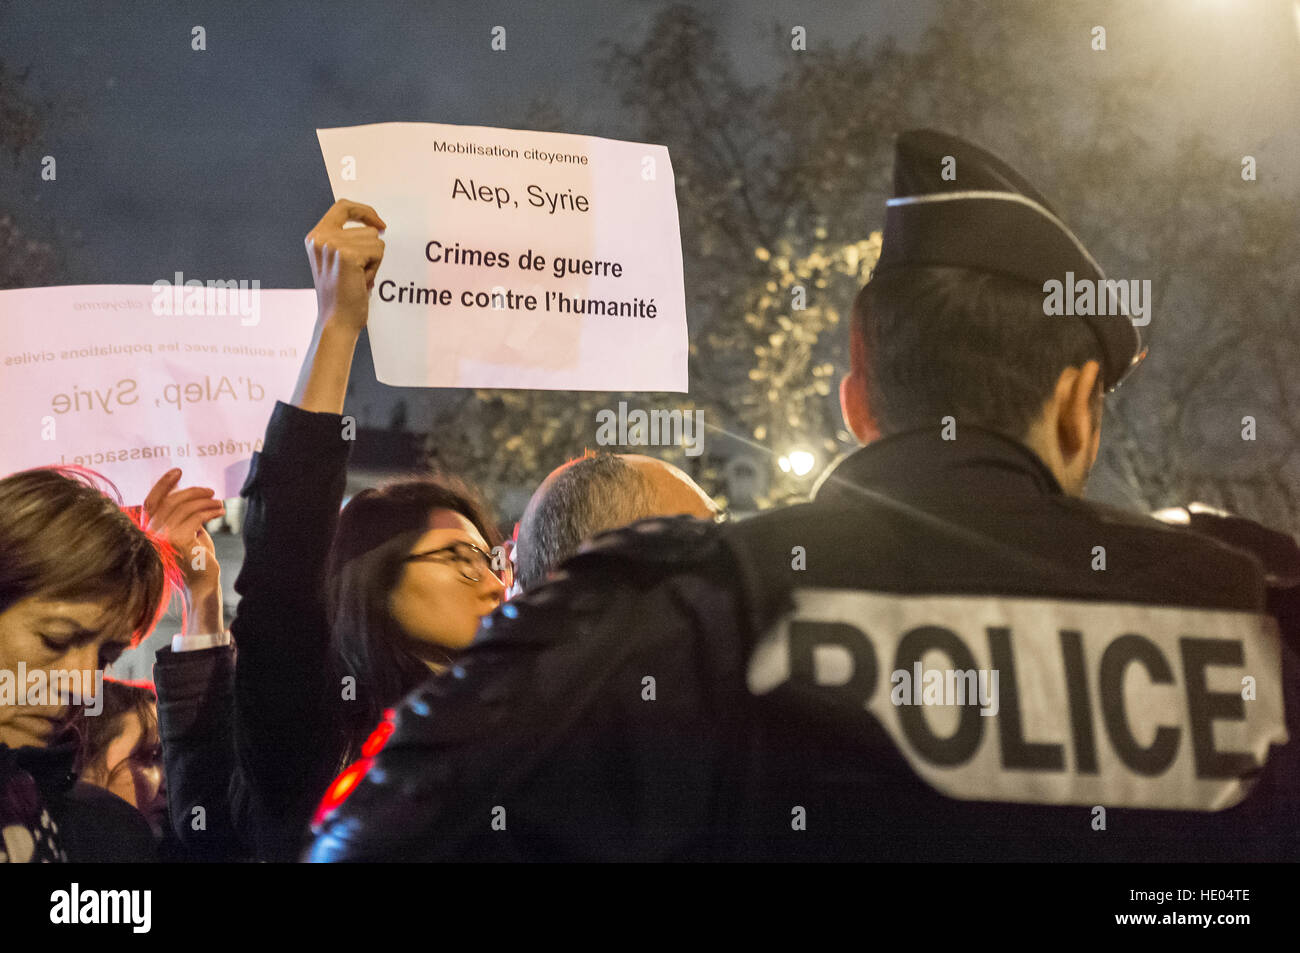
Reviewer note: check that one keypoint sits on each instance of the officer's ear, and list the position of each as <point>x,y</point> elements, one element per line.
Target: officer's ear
<point>855,404</point>
<point>1078,415</point>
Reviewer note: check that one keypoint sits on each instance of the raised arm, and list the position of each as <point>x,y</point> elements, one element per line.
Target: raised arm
<point>178,516</point>
<point>195,684</point>
<point>285,700</point>
<point>344,262</point>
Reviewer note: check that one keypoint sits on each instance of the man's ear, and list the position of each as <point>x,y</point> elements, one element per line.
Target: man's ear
<point>855,405</point>
<point>511,547</point>
<point>1076,428</point>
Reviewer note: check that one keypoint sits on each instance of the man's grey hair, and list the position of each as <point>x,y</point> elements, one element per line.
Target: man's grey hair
<point>590,495</point>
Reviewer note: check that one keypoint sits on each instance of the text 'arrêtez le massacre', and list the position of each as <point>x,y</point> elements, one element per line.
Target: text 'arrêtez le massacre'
<point>538,197</point>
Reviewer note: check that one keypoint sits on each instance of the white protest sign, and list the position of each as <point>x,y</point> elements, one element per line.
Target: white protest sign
<point>132,380</point>
<point>518,259</point>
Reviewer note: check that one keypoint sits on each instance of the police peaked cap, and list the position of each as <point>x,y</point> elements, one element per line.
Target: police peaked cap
<point>989,218</point>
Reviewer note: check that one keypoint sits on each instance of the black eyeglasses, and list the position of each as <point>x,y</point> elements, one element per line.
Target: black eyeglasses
<point>472,562</point>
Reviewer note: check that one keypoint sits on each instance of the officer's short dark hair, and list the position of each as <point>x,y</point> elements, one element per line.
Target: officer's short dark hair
<point>591,494</point>
<point>944,341</point>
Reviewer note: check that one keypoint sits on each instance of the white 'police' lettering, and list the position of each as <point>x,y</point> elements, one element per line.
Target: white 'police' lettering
<point>1127,705</point>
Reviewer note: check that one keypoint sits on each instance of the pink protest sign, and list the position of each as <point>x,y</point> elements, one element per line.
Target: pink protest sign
<point>131,380</point>
<point>518,259</point>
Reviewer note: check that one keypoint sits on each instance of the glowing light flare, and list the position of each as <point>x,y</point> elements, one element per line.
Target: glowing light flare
<point>338,792</point>
<point>378,738</point>
<point>798,462</point>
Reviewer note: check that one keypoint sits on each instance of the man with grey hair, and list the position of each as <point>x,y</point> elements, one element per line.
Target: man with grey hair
<point>594,493</point>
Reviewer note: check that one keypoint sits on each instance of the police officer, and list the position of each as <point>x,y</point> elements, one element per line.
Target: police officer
<point>947,655</point>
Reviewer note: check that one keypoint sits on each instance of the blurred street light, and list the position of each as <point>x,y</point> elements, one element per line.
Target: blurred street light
<point>798,462</point>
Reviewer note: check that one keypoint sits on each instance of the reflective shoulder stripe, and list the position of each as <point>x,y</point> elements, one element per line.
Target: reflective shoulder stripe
<point>1045,701</point>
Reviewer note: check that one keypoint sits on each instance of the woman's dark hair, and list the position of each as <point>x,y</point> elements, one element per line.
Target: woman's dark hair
<point>96,733</point>
<point>64,535</point>
<point>376,531</point>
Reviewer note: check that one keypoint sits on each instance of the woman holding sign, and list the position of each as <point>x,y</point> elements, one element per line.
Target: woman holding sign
<point>341,614</point>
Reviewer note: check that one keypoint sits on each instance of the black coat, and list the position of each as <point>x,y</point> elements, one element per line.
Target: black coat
<point>686,691</point>
<point>207,798</point>
<point>90,824</point>
<point>289,710</point>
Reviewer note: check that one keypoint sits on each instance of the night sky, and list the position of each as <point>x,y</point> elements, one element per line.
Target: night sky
<point>207,162</point>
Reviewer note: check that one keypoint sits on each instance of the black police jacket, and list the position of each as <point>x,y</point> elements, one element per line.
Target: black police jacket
<point>942,657</point>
